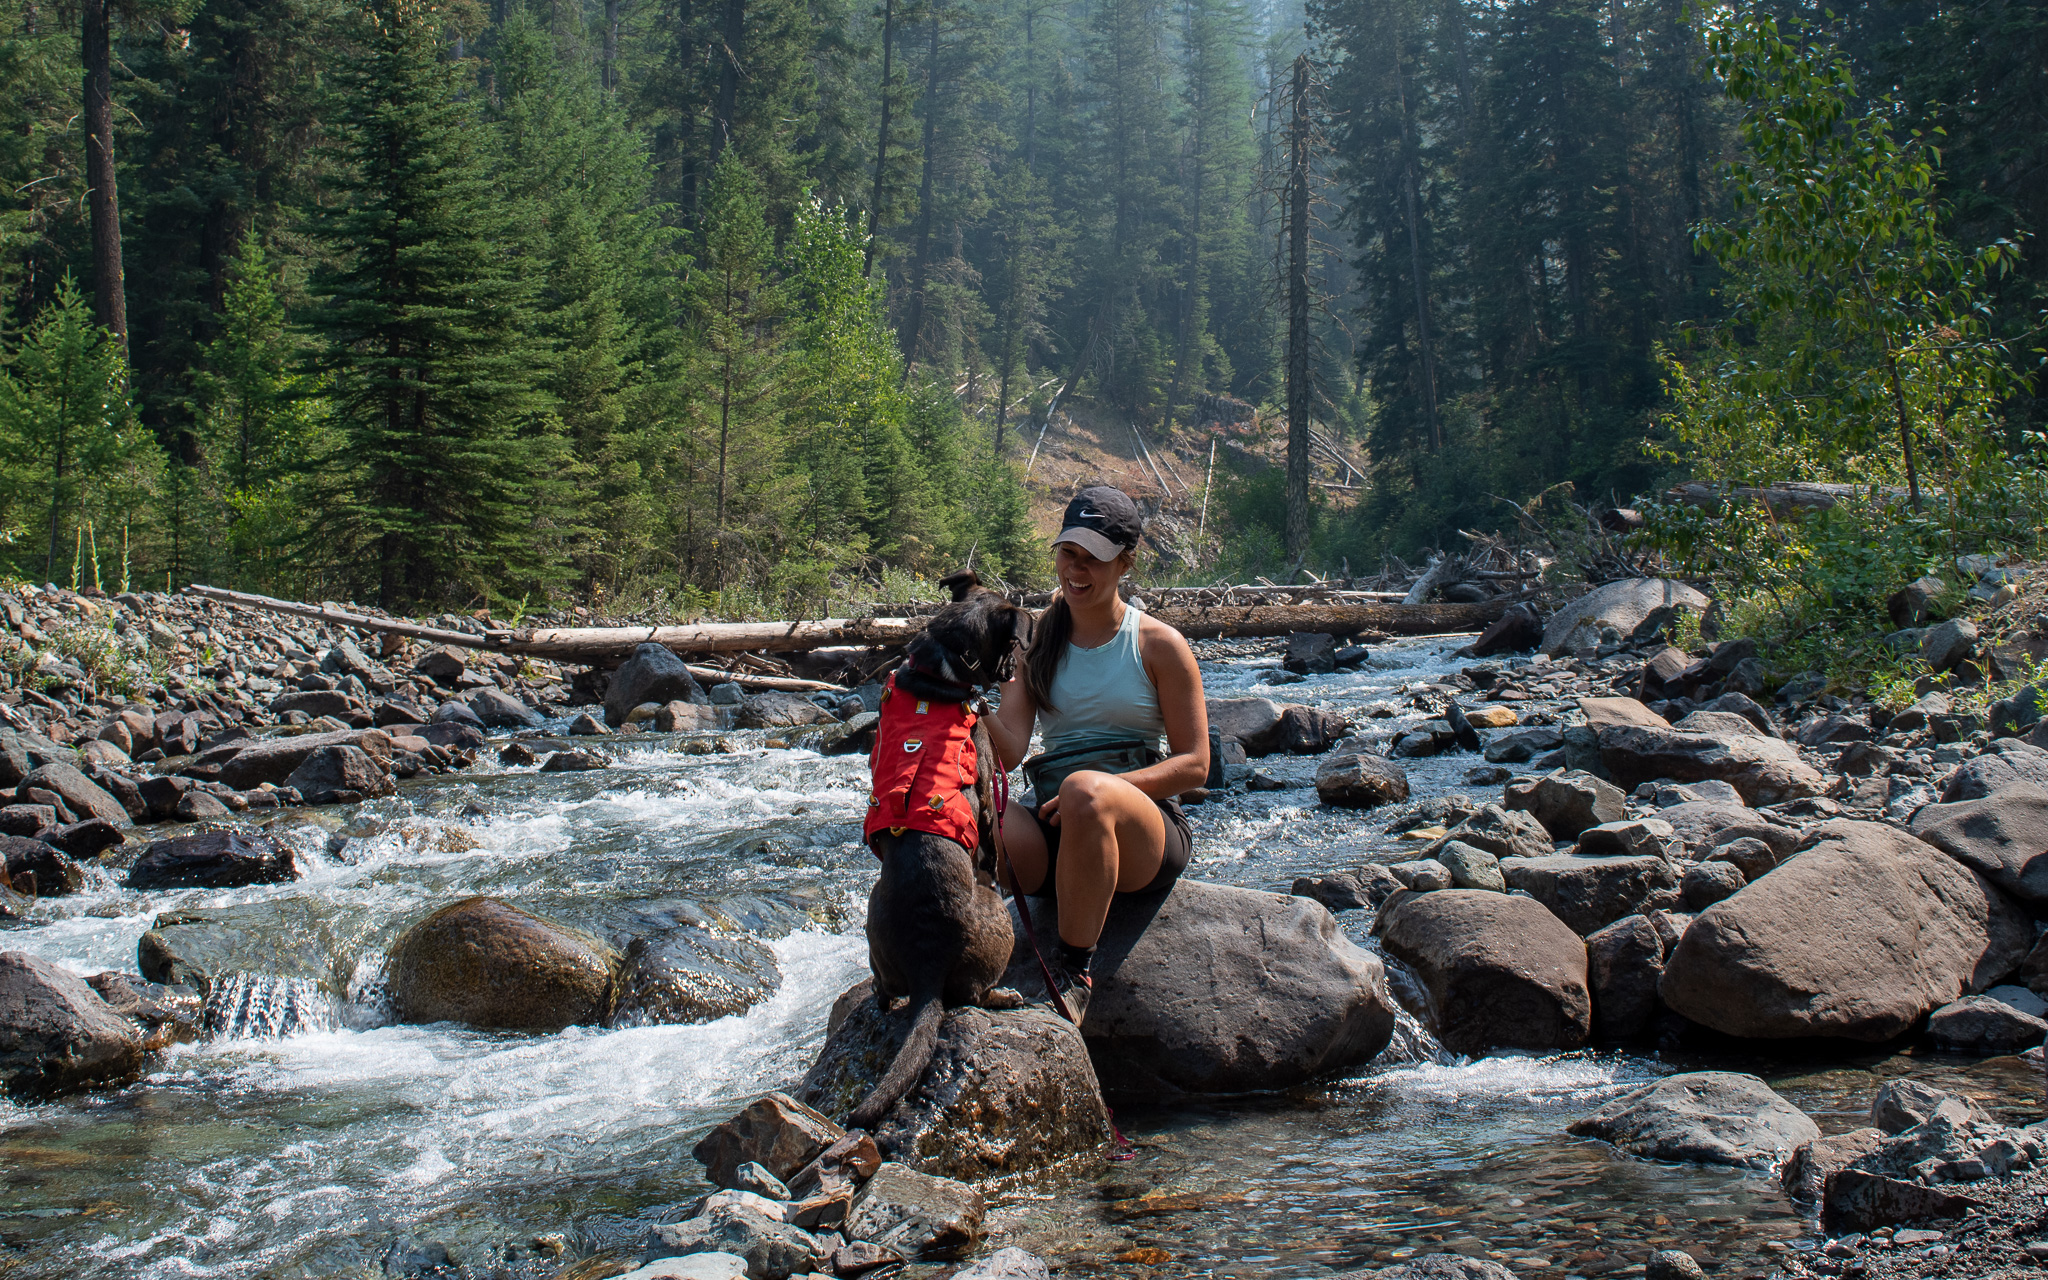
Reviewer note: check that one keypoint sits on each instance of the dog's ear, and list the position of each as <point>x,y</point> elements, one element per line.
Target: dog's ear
<point>961,583</point>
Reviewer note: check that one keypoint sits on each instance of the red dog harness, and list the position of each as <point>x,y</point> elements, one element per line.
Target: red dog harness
<point>923,768</point>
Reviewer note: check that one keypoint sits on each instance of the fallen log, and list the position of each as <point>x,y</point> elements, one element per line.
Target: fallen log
<point>1785,498</point>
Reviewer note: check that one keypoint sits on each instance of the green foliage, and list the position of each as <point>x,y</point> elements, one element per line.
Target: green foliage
<point>70,449</point>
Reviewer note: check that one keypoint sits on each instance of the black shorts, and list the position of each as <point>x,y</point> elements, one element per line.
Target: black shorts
<point>1173,859</point>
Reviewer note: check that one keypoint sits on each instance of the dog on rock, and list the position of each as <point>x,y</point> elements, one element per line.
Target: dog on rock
<point>939,935</point>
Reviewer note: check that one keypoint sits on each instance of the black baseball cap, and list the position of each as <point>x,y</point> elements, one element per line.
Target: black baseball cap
<point>1103,521</point>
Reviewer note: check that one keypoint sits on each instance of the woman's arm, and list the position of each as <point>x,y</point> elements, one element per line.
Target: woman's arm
<point>1010,727</point>
<point>1171,664</point>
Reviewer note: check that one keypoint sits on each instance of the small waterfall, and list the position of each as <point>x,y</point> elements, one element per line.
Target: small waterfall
<point>1412,1043</point>
<point>262,1006</point>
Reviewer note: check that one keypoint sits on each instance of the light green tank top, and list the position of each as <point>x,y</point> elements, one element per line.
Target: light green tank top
<point>1104,696</point>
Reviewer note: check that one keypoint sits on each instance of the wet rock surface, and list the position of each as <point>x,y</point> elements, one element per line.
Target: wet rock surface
<point>1498,971</point>
<point>1713,1117</point>
<point>489,964</point>
<point>56,1033</point>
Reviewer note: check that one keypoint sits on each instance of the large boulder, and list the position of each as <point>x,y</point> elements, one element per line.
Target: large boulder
<point>1858,937</point>
<point>340,775</point>
<point>272,760</point>
<point>1996,771</point>
<point>489,964</point>
<point>1357,781</point>
<point>689,975</point>
<point>1710,1117</point>
<point>1213,989</point>
<point>55,1031</point>
<point>198,947</point>
<point>1568,803</point>
<point>1623,605</point>
<point>652,674</point>
<point>1983,1025</point>
<point>1592,893</point>
<point>213,860</point>
<point>1504,833</point>
<point>80,794</point>
<point>1763,770</point>
<point>1004,1091</point>
<point>1499,971</point>
<point>2002,837</point>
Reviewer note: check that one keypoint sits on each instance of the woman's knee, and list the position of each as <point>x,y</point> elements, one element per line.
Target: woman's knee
<point>1087,795</point>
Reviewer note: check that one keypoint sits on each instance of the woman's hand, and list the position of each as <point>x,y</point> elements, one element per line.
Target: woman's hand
<point>1010,727</point>
<point>1050,811</point>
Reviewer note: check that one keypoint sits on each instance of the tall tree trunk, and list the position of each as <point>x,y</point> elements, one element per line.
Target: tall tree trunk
<point>611,44</point>
<point>1030,94</point>
<point>1411,181</point>
<point>913,318</point>
<point>728,78</point>
<point>1297,318</point>
<point>867,265</point>
<point>109,297</point>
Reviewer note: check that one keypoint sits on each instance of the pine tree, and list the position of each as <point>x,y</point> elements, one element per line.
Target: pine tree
<point>70,449</point>
<point>425,325</point>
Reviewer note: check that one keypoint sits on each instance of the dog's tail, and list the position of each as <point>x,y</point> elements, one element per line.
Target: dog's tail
<point>927,1010</point>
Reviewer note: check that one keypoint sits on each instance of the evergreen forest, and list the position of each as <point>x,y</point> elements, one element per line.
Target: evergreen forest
<point>742,306</point>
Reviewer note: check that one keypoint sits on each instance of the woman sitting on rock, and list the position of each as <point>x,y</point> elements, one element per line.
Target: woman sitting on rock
<point>1106,682</point>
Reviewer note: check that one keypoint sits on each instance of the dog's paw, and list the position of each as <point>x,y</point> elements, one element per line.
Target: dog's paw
<point>1003,998</point>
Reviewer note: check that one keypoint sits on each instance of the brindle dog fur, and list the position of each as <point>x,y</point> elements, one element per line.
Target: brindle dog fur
<point>938,933</point>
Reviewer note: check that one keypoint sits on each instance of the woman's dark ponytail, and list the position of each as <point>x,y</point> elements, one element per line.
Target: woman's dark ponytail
<point>1049,639</point>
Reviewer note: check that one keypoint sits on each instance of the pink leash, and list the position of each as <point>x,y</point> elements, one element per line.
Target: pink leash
<point>1002,789</point>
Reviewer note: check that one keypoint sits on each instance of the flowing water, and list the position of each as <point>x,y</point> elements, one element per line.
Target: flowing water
<point>309,1137</point>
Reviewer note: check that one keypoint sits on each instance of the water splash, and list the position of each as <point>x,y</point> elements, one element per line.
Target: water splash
<point>262,1006</point>
<point>1412,1045</point>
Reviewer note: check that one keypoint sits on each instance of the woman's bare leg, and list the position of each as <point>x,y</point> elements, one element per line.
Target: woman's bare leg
<point>1112,840</point>
<point>1024,845</point>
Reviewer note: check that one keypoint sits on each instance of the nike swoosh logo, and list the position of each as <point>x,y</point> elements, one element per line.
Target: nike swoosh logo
<point>1089,515</point>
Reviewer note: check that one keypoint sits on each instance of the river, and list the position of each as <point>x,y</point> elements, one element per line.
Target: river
<point>333,1149</point>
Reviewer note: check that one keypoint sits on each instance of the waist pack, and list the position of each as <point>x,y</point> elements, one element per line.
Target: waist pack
<point>1045,772</point>
<point>922,769</point>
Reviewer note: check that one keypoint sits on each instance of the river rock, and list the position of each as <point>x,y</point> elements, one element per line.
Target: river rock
<point>84,840</point>
<point>1640,838</point>
<point>774,1131</point>
<point>1256,722</point>
<point>689,975</point>
<point>1856,1201</point>
<point>489,964</point>
<point>1906,1103</point>
<point>652,674</point>
<point>1707,1117</point>
<point>167,1015</point>
<point>1434,1266</point>
<point>500,710</point>
<point>1995,772</point>
<point>315,703</point>
<point>1707,883</point>
<point>773,710</point>
<point>1006,1264</point>
<point>443,664</point>
<point>1591,893</point>
<point>678,716</point>
<point>1423,875</point>
<point>1567,803</point>
<point>1504,833</point>
<point>915,1213</point>
<point>285,937</point>
<point>696,1266</point>
<point>1623,962</point>
<point>1308,731</point>
<point>1857,937</point>
<point>1806,1174</point>
<point>1209,988</point>
<point>213,860</point>
<point>1498,970</point>
<point>1723,724</point>
<point>1983,1025</point>
<point>1764,770</point>
<point>1360,782</point>
<point>1705,825</point>
<point>575,761</point>
<point>1752,857</point>
<point>56,1034</point>
<point>1367,886</point>
<point>1471,868</point>
<point>273,760</point>
<point>1623,605</point>
<point>80,794</point>
<point>772,1250</point>
<point>339,775</point>
<point>1948,645</point>
<point>1523,746</point>
<point>2003,837</point>
<point>1005,1090</point>
<point>39,869</point>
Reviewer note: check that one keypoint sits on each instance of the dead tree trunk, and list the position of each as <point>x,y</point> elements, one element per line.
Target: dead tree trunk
<point>109,295</point>
<point>1297,318</point>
